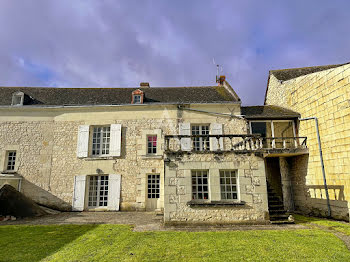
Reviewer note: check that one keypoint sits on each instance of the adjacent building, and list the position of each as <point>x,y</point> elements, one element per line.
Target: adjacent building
<point>321,92</point>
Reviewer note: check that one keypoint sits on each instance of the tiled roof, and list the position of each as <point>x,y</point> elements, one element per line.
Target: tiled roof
<point>116,96</point>
<point>287,74</point>
<point>268,112</point>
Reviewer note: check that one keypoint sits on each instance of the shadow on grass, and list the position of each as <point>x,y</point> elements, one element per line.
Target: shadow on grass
<point>33,243</point>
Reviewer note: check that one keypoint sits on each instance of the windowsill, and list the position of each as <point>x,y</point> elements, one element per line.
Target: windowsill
<point>152,156</point>
<point>10,172</point>
<point>92,158</point>
<point>215,203</point>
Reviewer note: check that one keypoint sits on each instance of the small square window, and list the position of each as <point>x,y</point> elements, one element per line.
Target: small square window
<point>17,99</point>
<point>152,144</point>
<point>137,99</point>
<point>10,160</point>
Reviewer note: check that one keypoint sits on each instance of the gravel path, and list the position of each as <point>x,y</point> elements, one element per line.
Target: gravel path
<point>142,221</point>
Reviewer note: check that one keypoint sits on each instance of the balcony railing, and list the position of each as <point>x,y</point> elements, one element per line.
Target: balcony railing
<point>232,143</point>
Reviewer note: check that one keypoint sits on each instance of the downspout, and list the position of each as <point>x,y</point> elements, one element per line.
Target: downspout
<point>321,158</point>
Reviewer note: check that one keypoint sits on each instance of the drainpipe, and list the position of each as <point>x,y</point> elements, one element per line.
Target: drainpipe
<point>321,158</point>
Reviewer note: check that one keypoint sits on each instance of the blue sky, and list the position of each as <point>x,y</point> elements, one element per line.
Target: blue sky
<point>167,43</point>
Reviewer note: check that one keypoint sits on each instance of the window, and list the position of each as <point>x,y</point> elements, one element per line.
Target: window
<point>152,144</point>
<point>137,99</point>
<point>200,185</point>
<point>17,99</point>
<point>153,186</point>
<point>100,141</point>
<point>98,191</point>
<point>10,160</point>
<point>228,184</point>
<point>200,143</point>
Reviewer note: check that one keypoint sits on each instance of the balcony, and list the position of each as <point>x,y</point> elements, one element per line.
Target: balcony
<point>238,143</point>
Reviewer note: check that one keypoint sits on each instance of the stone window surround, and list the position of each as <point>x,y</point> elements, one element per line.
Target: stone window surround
<point>214,184</point>
<point>3,158</point>
<point>142,143</point>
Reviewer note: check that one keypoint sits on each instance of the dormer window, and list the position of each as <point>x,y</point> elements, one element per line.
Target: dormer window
<point>137,97</point>
<point>17,99</point>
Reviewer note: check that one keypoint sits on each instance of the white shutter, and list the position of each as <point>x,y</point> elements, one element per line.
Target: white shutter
<point>185,129</point>
<point>83,141</point>
<point>216,129</point>
<point>79,193</point>
<point>114,192</point>
<point>116,138</point>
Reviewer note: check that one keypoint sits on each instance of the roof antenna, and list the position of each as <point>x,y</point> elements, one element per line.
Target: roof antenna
<point>217,71</point>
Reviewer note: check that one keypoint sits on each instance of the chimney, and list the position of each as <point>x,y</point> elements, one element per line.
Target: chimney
<point>222,80</point>
<point>144,85</point>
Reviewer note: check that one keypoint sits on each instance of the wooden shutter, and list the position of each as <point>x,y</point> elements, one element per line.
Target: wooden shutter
<point>79,193</point>
<point>185,129</point>
<point>215,144</point>
<point>116,138</point>
<point>114,192</point>
<point>83,141</point>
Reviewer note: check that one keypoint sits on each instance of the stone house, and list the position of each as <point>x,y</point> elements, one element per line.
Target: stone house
<point>192,153</point>
<point>322,93</point>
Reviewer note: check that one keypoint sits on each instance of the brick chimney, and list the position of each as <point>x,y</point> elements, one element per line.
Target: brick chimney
<point>144,85</point>
<point>221,80</point>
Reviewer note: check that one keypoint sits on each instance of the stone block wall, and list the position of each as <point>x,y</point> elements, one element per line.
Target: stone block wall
<point>251,183</point>
<point>325,95</point>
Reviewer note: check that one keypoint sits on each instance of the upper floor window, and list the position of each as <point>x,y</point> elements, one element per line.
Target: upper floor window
<point>17,99</point>
<point>10,160</point>
<point>137,99</point>
<point>100,140</point>
<point>229,184</point>
<point>200,143</point>
<point>152,144</point>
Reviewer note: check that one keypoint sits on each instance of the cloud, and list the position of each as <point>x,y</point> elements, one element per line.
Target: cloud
<point>167,43</point>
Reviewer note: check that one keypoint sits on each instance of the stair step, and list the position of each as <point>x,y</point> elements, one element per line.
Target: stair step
<point>277,211</point>
<point>281,222</point>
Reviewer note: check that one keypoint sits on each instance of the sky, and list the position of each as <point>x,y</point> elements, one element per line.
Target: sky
<point>102,43</point>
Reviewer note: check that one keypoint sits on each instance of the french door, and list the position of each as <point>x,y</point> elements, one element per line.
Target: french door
<point>98,191</point>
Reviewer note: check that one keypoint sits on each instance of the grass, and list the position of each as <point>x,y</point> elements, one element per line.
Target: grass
<point>331,224</point>
<point>119,243</point>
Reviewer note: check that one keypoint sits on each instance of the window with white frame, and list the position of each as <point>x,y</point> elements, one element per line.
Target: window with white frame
<point>98,191</point>
<point>200,189</point>
<point>151,144</point>
<point>100,140</point>
<point>10,160</point>
<point>229,184</point>
<point>17,99</point>
<point>137,99</point>
<point>200,143</point>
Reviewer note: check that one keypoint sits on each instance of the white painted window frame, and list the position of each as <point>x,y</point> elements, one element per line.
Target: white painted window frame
<point>237,185</point>
<point>101,144</point>
<point>13,162</point>
<point>138,101</point>
<point>98,191</point>
<point>201,140</point>
<point>15,96</point>
<point>208,185</point>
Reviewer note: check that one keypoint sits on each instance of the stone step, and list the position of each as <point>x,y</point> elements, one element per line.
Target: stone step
<point>276,206</point>
<point>278,217</point>
<point>281,222</point>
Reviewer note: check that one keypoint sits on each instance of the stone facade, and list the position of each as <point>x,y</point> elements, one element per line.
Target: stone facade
<point>325,95</point>
<point>46,144</point>
<point>251,204</point>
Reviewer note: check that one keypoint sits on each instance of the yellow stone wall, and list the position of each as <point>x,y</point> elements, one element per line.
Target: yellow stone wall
<point>325,95</point>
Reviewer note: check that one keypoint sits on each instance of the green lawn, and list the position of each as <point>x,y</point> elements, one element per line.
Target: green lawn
<point>119,243</point>
<point>331,224</point>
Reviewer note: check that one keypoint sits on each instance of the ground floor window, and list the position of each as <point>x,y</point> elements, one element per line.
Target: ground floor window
<point>228,184</point>
<point>98,191</point>
<point>153,185</point>
<point>200,185</point>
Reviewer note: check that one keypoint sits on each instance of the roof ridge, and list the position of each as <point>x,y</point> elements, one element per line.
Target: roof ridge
<point>309,67</point>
